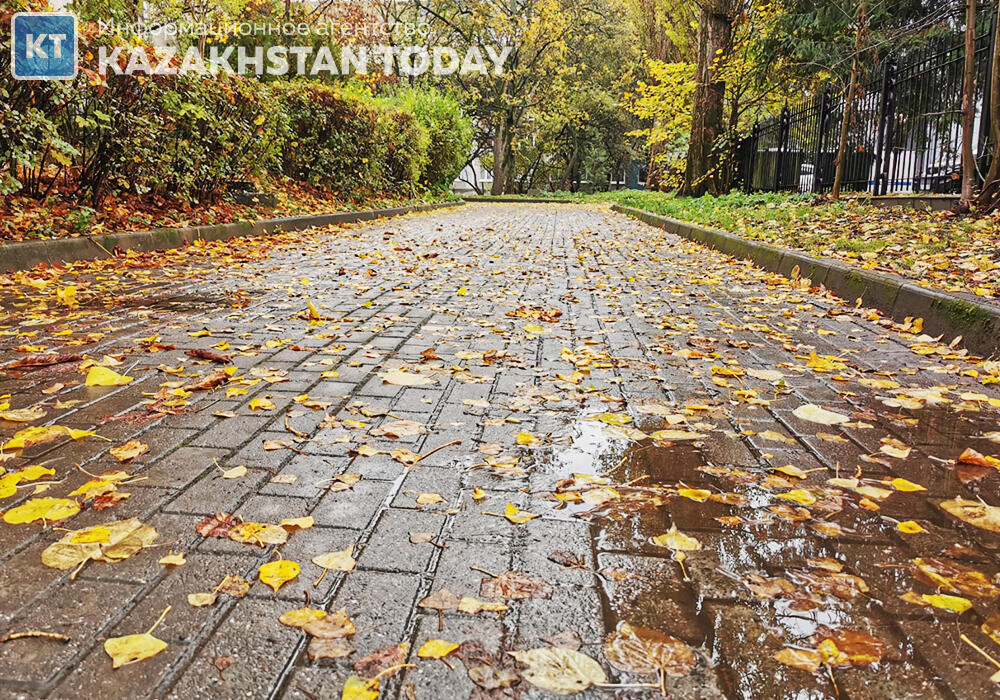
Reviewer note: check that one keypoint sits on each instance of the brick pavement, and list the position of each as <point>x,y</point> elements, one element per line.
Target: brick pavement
<point>653,313</point>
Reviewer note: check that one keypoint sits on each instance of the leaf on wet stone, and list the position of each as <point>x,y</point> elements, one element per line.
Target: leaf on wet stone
<point>974,513</point>
<point>135,647</point>
<point>356,688</point>
<point>808,660</point>
<point>894,448</point>
<point>676,540</point>
<point>295,524</point>
<point>102,376</point>
<point>436,649</point>
<point>402,377</point>
<point>334,625</point>
<point>37,435</point>
<point>847,647</point>
<point>473,606</point>
<point>671,435</point>
<point>344,482</point>
<point>699,495</point>
<point>775,436</point>
<point>116,541</point>
<point>261,404</point>
<point>565,559</point>
<point>636,649</point>
<point>991,627</point>
<point>567,639</point>
<point>526,439</point>
<point>617,419</point>
<point>514,585</point>
<point>478,495</point>
<point>425,499</point>
<point>329,648</point>
<point>277,573</point>
<point>818,414</point>
<point>767,375</point>
<point>405,456</point>
<point>625,432</point>
<point>798,496</point>
<point>793,471</point>
<point>440,600</point>
<point>905,486</point>
<point>942,601</point>
<point>516,515</point>
<point>23,415</point>
<point>971,456</point>
<point>490,678</point>
<point>301,617</point>
<point>218,525</point>
<point>559,670</point>
<point>173,559</point>
<point>951,576</point>
<point>260,534</point>
<point>764,587</point>
<point>46,509</point>
<point>336,561</point>
<point>237,472</point>
<point>396,430</point>
<point>234,586</point>
<point>200,600</point>
<point>380,660</point>
<point>129,451</point>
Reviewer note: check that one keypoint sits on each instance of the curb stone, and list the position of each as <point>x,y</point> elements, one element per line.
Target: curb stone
<point>516,200</point>
<point>26,254</point>
<point>945,314</point>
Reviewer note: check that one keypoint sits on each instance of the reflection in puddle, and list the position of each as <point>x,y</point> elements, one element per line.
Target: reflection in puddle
<point>745,528</point>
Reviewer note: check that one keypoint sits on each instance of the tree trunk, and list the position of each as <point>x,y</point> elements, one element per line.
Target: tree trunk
<point>503,175</point>
<point>989,196</point>
<point>968,105</point>
<point>714,31</point>
<point>859,34</point>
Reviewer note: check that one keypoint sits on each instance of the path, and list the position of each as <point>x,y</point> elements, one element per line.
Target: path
<point>515,323</point>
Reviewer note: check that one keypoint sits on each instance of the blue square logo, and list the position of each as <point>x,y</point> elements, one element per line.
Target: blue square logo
<point>43,46</point>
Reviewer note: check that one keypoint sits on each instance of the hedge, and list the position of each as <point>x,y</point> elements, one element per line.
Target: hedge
<point>188,136</point>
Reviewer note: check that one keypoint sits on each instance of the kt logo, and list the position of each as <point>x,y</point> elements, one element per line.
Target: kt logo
<point>43,46</point>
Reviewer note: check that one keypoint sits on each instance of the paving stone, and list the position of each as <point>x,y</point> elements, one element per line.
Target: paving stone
<point>643,313</point>
<point>81,614</point>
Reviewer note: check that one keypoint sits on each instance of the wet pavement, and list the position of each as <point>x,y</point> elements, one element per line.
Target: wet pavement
<point>648,407</point>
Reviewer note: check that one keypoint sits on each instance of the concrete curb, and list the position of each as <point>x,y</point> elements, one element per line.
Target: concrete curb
<point>517,200</point>
<point>27,254</point>
<point>945,314</point>
<point>925,202</point>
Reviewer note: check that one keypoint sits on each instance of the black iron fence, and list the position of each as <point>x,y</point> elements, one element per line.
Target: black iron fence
<point>905,134</point>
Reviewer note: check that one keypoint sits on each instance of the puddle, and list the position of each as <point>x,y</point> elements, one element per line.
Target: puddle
<point>713,608</point>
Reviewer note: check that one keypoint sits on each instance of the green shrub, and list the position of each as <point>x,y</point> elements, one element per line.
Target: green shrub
<point>215,130</point>
<point>402,154</point>
<point>333,136</point>
<point>449,130</point>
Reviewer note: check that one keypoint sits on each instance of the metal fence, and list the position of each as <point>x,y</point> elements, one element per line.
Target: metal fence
<point>904,135</point>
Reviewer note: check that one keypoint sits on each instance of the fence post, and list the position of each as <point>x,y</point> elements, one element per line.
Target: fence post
<point>783,127</point>
<point>984,116</point>
<point>886,117</point>
<point>823,123</point>
<point>751,158</point>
